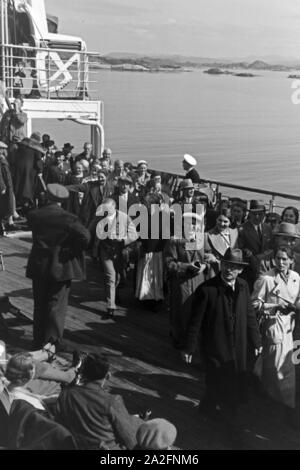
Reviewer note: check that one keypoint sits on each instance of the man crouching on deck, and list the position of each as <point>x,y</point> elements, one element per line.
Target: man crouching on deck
<point>56,259</point>
<point>222,319</point>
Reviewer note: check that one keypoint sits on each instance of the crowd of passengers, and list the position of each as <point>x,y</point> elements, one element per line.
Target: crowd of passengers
<point>165,274</point>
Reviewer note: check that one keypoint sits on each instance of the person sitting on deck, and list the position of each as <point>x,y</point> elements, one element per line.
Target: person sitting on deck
<point>96,418</point>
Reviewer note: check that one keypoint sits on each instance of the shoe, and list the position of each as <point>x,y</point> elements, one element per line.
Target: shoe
<point>50,349</point>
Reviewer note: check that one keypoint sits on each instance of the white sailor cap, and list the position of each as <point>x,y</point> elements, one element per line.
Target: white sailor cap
<point>142,162</point>
<point>190,160</point>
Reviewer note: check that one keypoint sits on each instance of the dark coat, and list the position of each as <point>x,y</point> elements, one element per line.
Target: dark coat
<point>92,199</point>
<point>7,199</point>
<point>26,166</point>
<point>96,418</point>
<point>212,328</point>
<point>193,175</point>
<point>30,429</point>
<point>54,174</point>
<point>248,238</point>
<point>182,285</point>
<point>58,243</point>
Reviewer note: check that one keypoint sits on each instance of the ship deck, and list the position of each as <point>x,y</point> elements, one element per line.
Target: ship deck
<point>147,371</point>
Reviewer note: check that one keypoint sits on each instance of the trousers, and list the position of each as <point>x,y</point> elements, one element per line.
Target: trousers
<point>50,308</point>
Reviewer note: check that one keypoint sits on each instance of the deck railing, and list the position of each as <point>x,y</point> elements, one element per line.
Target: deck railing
<point>214,190</point>
<point>53,73</point>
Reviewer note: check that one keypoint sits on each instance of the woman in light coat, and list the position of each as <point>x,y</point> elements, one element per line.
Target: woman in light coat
<point>276,297</point>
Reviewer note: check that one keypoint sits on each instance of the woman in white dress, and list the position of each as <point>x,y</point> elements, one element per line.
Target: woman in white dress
<point>276,298</point>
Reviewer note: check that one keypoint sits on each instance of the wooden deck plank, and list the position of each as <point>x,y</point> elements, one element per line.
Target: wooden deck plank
<point>147,371</point>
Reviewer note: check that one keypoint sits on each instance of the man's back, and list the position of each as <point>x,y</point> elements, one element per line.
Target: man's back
<point>96,418</point>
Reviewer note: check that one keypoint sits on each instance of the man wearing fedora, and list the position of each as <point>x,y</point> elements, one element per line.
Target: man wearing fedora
<point>56,258</point>
<point>286,234</point>
<point>222,322</point>
<point>255,238</point>
<point>188,165</point>
<point>187,196</point>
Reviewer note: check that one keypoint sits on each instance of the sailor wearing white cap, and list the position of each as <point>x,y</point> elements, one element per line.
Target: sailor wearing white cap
<point>188,164</point>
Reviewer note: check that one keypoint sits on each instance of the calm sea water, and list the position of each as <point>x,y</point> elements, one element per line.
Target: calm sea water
<point>241,130</point>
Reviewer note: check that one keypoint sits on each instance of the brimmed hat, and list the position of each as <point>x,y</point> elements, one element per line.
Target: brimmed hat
<point>189,159</point>
<point>126,179</point>
<point>3,145</point>
<point>142,162</point>
<point>287,230</point>
<point>234,256</point>
<point>156,434</point>
<point>186,184</point>
<point>49,143</point>
<point>107,151</point>
<point>257,206</point>
<point>57,192</point>
<point>68,146</point>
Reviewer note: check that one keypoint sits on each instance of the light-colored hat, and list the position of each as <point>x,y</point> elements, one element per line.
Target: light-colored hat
<point>3,145</point>
<point>186,184</point>
<point>57,192</point>
<point>142,162</point>
<point>84,163</point>
<point>287,230</point>
<point>189,159</point>
<point>156,434</point>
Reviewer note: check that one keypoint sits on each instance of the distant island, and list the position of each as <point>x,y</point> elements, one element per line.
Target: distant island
<point>217,71</point>
<point>176,63</point>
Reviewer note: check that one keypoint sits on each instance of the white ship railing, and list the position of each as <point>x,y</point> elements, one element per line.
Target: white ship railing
<point>55,73</point>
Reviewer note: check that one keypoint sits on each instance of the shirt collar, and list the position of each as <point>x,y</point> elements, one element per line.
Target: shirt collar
<point>229,284</point>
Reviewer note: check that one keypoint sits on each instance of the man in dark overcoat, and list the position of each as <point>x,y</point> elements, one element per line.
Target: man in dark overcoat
<point>56,258</point>
<point>222,321</point>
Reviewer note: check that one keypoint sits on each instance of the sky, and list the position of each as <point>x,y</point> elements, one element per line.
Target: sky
<point>201,28</point>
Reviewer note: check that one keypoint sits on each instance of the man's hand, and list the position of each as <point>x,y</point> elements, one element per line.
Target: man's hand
<point>258,351</point>
<point>210,258</point>
<point>187,358</point>
<point>247,253</point>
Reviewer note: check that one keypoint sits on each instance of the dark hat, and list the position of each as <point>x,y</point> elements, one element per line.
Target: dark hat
<point>94,367</point>
<point>57,192</point>
<point>68,146</point>
<point>49,143</point>
<point>234,256</point>
<point>287,230</point>
<point>257,206</point>
<point>156,434</point>
<point>186,184</point>
<point>126,179</point>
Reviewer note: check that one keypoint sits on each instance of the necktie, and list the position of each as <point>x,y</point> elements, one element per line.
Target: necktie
<point>259,232</point>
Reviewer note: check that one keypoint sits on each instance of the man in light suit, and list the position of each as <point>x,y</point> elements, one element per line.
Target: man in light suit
<point>116,231</point>
<point>255,238</point>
